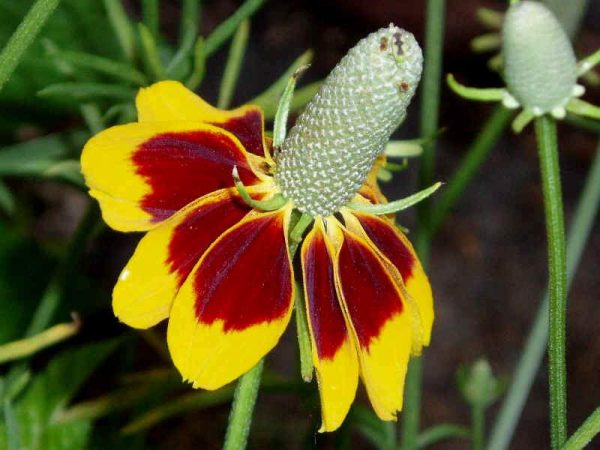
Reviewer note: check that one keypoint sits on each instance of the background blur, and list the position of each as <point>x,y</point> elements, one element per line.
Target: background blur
<point>488,266</point>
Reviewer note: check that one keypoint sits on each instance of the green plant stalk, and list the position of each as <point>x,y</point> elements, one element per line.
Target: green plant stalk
<point>234,65</point>
<point>535,346</point>
<point>585,433</point>
<point>121,26</point>
<point>150,53</point>
<point>477,426</point>
<point>469,165</point>
<point>246,391</point>
<point>389,437</point>
<point>545,128</point>
<point>23,37</point>
<point>150,15</point>
<point>441,432</point>
<point>429,119</point>
<point>218,37</point>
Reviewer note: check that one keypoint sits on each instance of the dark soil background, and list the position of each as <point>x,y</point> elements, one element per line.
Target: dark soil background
<point>488,266</point>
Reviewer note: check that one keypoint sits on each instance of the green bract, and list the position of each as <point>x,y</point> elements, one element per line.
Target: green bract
<point>539,64</point>
<point>328,153</point>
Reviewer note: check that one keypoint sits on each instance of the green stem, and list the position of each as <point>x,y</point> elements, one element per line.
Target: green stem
<point>389,436</point>
<point>246,391</point>
<point>545,128</point>
<point>442,432</point>
<point>150,15</point>
<point>23,37</point>
<point>430,87</point>
<point>468,167</point>
<point>533,351</point>
<point>477,426</point>
<point>240,417</point>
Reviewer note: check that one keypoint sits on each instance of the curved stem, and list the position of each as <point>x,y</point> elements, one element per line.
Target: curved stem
<point>477,427</point>
<point>545,128</point>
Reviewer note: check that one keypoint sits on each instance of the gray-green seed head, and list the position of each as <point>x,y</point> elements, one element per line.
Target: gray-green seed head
<point>539,64</point>
<point>328,153</point>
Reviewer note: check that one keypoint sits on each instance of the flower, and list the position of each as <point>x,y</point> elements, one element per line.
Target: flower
<point>219,267</point>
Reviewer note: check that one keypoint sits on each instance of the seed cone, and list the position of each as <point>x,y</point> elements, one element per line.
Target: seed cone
<point>333,145</point>
<point>539,64</point>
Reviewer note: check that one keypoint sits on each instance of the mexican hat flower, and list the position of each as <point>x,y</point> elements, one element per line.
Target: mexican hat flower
<point>217,259</point>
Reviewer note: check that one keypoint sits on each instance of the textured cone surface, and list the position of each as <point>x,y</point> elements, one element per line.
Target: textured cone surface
<point>540,67</point>
<point>329,152</point>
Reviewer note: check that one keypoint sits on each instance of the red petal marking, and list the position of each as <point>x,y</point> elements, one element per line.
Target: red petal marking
<point>370,295</point>
<point>325,315</point>
<point>200,228</point>
<point>182,167</point>
<point>245,279</point>
<point>248,128</point>
<point>387,241</point>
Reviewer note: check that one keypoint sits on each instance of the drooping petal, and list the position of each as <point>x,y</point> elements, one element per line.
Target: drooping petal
<point>166,255</point>
<point>334,353</point>
<point>370,188</point>
<point>172,101</point>
<point>395,246</point>
<point>236,303</point>
<point>375,310</point>
<point>142,173</point>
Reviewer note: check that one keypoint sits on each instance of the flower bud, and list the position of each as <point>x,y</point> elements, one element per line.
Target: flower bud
<point>539,64</point>
<point>328,153</point>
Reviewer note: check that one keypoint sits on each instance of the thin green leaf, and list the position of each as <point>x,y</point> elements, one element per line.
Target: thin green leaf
<point>226,29</point>
<point>51,390</point>
<point>588,63</point>
<point>7,199</point>
<point>442,432</point>
<point>304,95</point>
<point>198,70</point>
<point>92,116</point>
<point>369,425</point>
<point>150,54</point>
<point>26,347</point>
<point>150,16</point>
<point>32,157</point>
<point>106,66</point>
<point>121,26</point>
<point>23,36</point>
<point>188,35</point>
<point>13,439</point>
<point>583,108</point>
<point>88,91</point>
<point>234,65</point>
<point>585,433</point>
<point>398,205</point>
<point>283,109</point>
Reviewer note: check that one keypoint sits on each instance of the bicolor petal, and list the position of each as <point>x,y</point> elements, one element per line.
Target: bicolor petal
<point>171,101</point>
<point>333,350</point>
<point>377,314</point>
<point>396,247</point>
<point>236,303</point>
<point>142,173</point>
<point>166,255</point>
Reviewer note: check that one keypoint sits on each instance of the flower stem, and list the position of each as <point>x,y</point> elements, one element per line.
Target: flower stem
<point>430,87</point>
<point>533,352</point>
<point>246,391</point>
<point>477,426</point>
<point>244,400</point>
<point>545,128</point>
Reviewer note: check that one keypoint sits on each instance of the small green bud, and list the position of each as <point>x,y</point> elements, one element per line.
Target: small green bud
<point>539,64</point>
<point>328,153</point>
